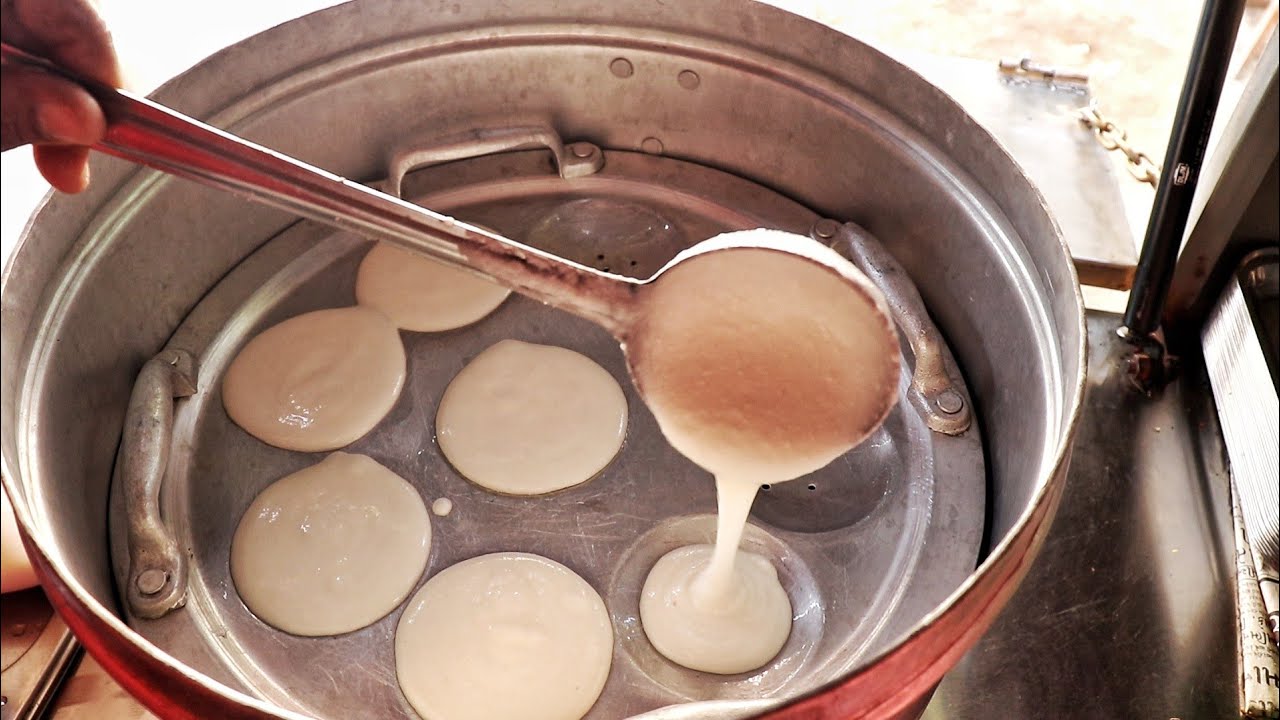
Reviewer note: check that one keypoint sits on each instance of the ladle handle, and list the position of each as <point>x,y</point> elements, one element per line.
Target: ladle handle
<point>150,134</point>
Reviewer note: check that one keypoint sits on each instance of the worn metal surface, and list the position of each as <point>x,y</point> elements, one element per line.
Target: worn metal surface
<point>101,280</point>
<point>1129,611</point>
<point>1037,122</point>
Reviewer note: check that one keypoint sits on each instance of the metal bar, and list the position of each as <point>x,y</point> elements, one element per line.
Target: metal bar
<point>150,134</point>
<point>1192,123</point>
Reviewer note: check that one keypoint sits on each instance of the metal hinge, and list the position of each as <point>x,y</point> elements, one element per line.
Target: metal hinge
<point>1028,68</point>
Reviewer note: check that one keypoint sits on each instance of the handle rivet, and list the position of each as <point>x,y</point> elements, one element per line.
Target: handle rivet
<point>151,581</point>
<point>950,402</point>
<point>826,228</point>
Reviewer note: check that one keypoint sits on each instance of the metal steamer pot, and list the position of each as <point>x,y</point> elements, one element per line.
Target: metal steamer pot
<point>615,134</point>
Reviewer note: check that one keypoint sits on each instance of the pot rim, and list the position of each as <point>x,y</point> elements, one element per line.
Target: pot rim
<point>1027,529</point>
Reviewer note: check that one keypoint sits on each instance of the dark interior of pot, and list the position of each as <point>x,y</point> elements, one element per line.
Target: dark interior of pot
<point>707,119</point>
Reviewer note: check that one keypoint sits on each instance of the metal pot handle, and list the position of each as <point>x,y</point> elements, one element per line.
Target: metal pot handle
<point>157,575</point>
<point>575,160</point>
<point>943,405</point>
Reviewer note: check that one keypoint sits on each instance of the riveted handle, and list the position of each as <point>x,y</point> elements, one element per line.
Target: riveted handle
<point>575,160</point>
<point>157,576</point>
<point>943,405</point>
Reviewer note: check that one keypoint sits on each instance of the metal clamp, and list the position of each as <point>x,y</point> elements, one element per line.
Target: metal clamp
<point>157,576</point>
<point>943,405</point>
<point>574,160</point>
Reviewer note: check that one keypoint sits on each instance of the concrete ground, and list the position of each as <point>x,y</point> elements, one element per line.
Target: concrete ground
<point>1134,51</point>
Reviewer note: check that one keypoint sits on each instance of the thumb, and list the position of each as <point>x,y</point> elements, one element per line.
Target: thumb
<point>39,108</point>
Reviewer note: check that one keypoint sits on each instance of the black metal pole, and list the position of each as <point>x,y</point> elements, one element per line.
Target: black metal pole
<point>1192,123</point>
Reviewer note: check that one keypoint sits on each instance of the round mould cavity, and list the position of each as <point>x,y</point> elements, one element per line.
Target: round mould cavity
<point>785,673</point>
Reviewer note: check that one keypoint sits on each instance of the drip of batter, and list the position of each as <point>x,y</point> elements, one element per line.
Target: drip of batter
<point>760,367</point>
<point>318,381</point>
<point>507,635</point>
<point>716,608</point>
<point>423,295</point>
<point>331,548</point>
<point>525,419</point>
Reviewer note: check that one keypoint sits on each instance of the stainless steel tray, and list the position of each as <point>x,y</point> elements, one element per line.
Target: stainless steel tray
<point>865,547</point>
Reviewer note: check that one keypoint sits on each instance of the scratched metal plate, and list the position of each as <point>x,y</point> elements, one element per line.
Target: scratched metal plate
<point>865,547</point>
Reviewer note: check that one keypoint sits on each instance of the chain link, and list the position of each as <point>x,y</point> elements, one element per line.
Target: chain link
<point>1112,137</point>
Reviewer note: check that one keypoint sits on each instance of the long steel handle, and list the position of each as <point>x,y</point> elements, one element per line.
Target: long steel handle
<point>157,576</point>
<point>150,134</point>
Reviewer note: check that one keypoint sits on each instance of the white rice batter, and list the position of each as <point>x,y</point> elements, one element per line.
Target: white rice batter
<point>318,381</point>
<point>525,419</point>
<point>507,635</point>
<point>331,548</point>
<point>423,295</point>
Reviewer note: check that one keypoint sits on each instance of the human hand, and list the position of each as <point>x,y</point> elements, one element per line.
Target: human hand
<point>58,117</point>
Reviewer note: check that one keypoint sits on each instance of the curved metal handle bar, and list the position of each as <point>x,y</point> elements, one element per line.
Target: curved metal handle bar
<point>945,408</point>
<point>157,576</point>
<point>576,160</point>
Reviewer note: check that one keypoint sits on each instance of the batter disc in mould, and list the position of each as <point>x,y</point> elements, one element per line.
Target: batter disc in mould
<point>507,635</point>
<point>331,548</point>
<point>527,419</point>
<point>423,295</point>
<point>318,381</point>
<point>735,630</point>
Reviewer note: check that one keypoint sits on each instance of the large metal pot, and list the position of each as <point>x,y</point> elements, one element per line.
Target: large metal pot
<point>101,281</point>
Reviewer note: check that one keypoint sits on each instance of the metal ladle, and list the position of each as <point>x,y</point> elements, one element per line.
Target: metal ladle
<point>150,134</point>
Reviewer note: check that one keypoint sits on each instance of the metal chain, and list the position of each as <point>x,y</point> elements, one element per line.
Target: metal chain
<point>1112,137</point>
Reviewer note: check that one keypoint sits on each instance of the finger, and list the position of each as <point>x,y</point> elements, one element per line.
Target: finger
<point>70,33</point>
<point>66,167</point>
<point>42,108</point>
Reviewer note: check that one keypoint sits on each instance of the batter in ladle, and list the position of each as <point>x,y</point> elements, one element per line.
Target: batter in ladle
<point>760,367</point>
